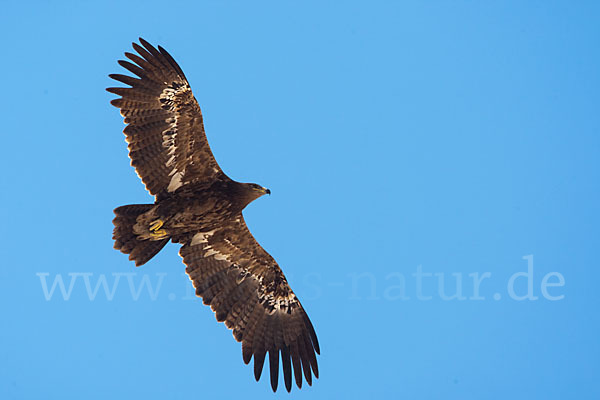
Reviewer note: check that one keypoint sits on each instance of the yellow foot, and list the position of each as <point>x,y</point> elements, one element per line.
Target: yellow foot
<point>158,234</point>
<point>156,225</point>
<point>155,231</point>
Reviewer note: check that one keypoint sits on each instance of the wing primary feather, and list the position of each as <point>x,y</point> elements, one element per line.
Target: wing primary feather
<point>248,341</point>
<point>296,363</point>
<point>312,358</point>
<point>126,79</point>
<point>172,61</point>
<point>305,361</point>
<point>246,352</point>
<point>134,69</point>
<point>287,367</point>
<point>138,60</point>
<point>258,348</point>
<point>274,367</point>
<point>313,334</point>
<point>121,91</point>
<point>147,56</point>
<point>155,53</point>
<point>259,360</point>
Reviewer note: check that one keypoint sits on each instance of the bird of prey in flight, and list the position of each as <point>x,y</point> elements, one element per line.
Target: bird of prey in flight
<point>199,207</point>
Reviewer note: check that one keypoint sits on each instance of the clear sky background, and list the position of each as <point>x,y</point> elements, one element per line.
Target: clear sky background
<point>408,145</point>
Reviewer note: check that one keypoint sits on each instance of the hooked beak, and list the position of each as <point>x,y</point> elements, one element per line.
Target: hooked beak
<point>267,191</point>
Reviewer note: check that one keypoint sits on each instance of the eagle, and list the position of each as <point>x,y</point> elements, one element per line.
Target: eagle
<point>199,207</point>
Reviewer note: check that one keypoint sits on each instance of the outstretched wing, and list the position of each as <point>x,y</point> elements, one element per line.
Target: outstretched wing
<point>248,291</point>
<point>167,143</point>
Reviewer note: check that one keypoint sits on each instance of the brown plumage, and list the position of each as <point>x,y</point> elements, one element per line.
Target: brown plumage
<point>197,205</point>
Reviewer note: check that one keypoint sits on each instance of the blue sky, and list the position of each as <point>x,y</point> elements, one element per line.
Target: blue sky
<point>410,147</point>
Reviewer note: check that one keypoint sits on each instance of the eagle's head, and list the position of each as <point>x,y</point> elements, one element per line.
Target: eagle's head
<point>257,190</point>
<point>248,192</point>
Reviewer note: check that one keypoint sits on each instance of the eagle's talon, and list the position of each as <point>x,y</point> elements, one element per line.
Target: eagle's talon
<point>158,234</point>
<point>156,225</point>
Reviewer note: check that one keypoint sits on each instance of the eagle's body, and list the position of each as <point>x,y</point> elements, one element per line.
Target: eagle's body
<point>200,207</point>
<point>196,208</point>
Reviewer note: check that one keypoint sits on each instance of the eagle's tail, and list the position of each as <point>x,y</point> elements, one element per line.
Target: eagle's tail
<point>127,241</point>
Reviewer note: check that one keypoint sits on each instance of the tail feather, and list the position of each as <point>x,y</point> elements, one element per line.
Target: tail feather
<point>140,251</point>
